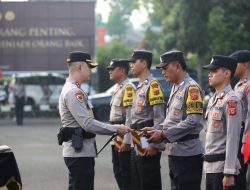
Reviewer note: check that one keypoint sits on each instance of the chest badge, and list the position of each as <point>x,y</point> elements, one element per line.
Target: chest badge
<point>79,97</point>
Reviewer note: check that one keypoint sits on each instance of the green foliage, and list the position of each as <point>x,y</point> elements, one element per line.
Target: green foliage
<point>198,28</point>
<point>118,20</point>
<point>113,50</point>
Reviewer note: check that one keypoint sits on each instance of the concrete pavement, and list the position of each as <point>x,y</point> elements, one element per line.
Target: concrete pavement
<point>39,156</point>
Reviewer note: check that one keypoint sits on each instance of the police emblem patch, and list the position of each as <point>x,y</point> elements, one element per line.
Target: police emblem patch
<point>79,97</point>
<point>128,97</point>
<point>194,94</point>
<point>215,115</point>
<point>216,124</point>
<point>232,107</point>
<point>194,100</point>
<point>155,93</point>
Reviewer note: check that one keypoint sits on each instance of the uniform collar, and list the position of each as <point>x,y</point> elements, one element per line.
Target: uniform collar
<point>146,81</point>
<point>123,83</point>
<point>224,92</point>
<point>243,81</point>
<point>74,82</point>
<point>182,81</point>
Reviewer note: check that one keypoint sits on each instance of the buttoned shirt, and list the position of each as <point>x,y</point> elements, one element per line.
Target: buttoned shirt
<point>142,110</point>
<point>121,102</point>
<point>223,121</point>
<point>76,111</point>
<point>183,117</point>
<point>242,90</point>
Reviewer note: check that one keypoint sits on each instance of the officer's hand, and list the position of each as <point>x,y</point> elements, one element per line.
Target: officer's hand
<point>155,136</point>
<point>150,151</point>
<point>145,130</point>
<point>242,148</point>
<point>122,130</point>
<point>125,147</point>
<point>228,182</point>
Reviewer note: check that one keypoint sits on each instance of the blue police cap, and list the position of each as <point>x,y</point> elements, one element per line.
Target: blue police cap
<point>169,57</point>
<point>220,61</point>
<point>118,63</point>
<point>78,56</point>
<point>241,56</point>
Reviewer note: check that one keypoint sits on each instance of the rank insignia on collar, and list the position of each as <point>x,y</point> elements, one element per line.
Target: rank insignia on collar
<point>222,95</point>
<point>77,84</point>
<point>79,97</point>
<point>182,83</point>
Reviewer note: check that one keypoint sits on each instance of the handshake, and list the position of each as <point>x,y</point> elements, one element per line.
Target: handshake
<point>153,135</point>
<point>122,130</point>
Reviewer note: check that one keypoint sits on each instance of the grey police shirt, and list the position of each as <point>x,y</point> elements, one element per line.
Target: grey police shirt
<point>242,90</point>
<point>183,117</point>
<point>121,103</point>
<point>76,111</point>
<point>149,104</point>
<point>223,121</point>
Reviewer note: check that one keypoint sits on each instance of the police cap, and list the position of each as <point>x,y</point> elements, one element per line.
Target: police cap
<point>118,63</point>
<point>220,61</point>
<point>78,56</point>
<point>241,56</point>
<point>141,54</point>
<point>171,56</point>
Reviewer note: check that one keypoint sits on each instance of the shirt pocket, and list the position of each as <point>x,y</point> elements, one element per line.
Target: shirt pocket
<point>216,124</point>
<point>141,105</point>
<point>117,101</point>
<point>176,111</point>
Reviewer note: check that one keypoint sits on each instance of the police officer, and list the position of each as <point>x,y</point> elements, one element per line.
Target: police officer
<point>121,103</point>
<point>79,126</point>
<point>242,89</point>
<point>182,124</point>
<point>19,93</point>
<point>147,111</point>
<point>223,119</point>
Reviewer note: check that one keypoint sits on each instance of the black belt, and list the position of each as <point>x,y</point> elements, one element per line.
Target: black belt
<point>243,124</point>
<point>65,134</point>
<point>188,137</point>
<point>138,126</point>
<point>214,157</point>
<point>117,122</point>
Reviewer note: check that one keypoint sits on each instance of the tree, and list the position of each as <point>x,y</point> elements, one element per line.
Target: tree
<point>104,56</point>
<point>199,28</point>
<point>118,20</point>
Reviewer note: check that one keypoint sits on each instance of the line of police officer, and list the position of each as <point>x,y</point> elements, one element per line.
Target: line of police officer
<point>142,109</point>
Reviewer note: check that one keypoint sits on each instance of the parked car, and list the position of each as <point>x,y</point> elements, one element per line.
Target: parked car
<point>36,85</point>
<point>101,101</point>
<point>3,95</point>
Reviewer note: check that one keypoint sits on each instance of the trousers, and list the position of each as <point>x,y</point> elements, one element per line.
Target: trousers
<point>185,172</point>
<point>81,172</point>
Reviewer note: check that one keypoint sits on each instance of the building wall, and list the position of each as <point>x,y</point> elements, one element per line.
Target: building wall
<point>37,36</point>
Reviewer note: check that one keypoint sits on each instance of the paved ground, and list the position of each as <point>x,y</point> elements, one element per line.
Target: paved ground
<point>39,157</point>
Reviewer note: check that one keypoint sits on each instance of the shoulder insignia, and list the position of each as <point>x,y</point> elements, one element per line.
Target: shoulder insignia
<point>194,100</point>
<point>155,93</point>
<point>232,107</point>
<point>79,96</point>
<point>128,96</point>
